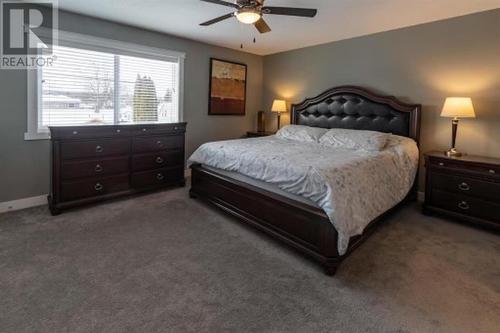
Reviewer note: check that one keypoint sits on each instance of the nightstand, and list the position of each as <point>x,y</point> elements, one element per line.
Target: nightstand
<point>255,134</point>
<point>466,188</point>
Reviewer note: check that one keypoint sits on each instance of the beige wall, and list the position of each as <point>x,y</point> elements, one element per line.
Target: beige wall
<point>421,64</point>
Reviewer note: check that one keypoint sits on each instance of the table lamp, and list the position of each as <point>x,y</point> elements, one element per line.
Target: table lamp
<point>279,106</point>
<point>456,108</point>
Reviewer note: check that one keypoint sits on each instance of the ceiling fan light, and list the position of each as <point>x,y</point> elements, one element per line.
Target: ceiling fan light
<point>248,16</point>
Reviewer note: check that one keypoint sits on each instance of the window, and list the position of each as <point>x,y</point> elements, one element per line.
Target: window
<point>95,81</point>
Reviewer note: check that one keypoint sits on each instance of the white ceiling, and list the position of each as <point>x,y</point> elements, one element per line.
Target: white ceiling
<point>336,19</point>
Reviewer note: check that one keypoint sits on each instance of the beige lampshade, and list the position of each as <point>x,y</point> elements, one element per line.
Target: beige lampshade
<point>279,106</point>
<point>458,107</point>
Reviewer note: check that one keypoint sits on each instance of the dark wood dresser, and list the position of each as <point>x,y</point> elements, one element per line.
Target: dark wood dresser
<point>467,188</point>
<point>96,163</point>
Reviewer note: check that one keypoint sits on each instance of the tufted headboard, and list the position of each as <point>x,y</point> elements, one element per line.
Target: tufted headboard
<point>357,108</point>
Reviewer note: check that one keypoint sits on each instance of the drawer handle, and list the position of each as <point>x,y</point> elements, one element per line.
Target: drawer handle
<point>98,168</point>
<point>144,130</point>
<point>159,160</point>
<point>463,205</point>
<point>98,187</point>
<point>118,131</point>
<point>492,171</point>
<point>75,132</point>
<point>441,164</point>
<point>99,149</point>
<point>159,143</point>
<point>464,186</point>
<point>160,176</point>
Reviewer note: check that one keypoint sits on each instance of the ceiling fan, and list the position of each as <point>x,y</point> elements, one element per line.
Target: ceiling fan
<point>252,12</point>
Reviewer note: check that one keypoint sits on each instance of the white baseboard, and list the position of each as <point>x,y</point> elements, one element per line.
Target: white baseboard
<point>9,206</point>
<point>421,196</point>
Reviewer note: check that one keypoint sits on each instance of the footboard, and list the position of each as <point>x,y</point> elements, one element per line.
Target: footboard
<point>305,228</point>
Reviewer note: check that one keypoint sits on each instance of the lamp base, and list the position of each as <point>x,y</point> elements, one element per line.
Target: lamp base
<point>453,153</point>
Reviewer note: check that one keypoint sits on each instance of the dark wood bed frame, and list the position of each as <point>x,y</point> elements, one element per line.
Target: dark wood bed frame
<point>303,227</point>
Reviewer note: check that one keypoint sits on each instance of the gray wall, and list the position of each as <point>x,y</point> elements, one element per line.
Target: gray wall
<point>420,64</point>
<point>24,165</point>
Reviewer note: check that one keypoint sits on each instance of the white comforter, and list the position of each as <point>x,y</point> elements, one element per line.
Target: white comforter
<point>352,187</point>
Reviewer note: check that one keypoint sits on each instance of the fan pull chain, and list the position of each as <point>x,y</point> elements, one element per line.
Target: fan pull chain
<point>240,28</point>
<point>254,41</point>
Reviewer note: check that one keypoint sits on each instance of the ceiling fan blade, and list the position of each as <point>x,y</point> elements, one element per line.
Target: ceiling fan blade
<point>218,19</point>
<point>262,26</point>
<point>223,3</point>
<point>303,12</point>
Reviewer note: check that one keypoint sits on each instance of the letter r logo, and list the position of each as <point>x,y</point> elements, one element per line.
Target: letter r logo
<point>21,23</point>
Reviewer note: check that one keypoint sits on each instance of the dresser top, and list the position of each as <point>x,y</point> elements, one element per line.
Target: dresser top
<point>114,131</point>
<point>465,158</point>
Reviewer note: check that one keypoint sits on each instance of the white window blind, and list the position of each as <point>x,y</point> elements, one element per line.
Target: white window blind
<point>87,87</point>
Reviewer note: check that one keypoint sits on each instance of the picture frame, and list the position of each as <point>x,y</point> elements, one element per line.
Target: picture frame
<point>228,86</point>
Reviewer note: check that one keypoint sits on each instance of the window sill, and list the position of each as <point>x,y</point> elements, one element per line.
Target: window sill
<point>36,136</point>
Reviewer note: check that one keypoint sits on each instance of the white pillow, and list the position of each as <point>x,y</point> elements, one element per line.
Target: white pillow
<point>355,139</point>
<point>301,133</point>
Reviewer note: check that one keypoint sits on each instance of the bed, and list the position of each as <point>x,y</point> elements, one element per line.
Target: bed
<point>300,219</point>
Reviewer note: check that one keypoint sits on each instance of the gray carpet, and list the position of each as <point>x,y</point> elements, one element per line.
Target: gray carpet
<point>164,262</point>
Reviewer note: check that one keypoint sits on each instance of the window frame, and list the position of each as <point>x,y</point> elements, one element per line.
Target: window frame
<point>81,41</point>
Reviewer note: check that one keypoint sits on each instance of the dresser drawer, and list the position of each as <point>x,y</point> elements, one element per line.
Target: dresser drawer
<point>93,187</point>
<point>96,167</point>
<point>157,177</point>
<point>481,169</point>
<point>157,160</point>
<point>159,129</point>
<point>89,132</point>
<point>157,143</point>
<point>95,148</point>
<point>489,191</point>
<point>466,205</point>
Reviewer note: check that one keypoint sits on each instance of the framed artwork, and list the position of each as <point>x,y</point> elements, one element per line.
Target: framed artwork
<point>228,86</point>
